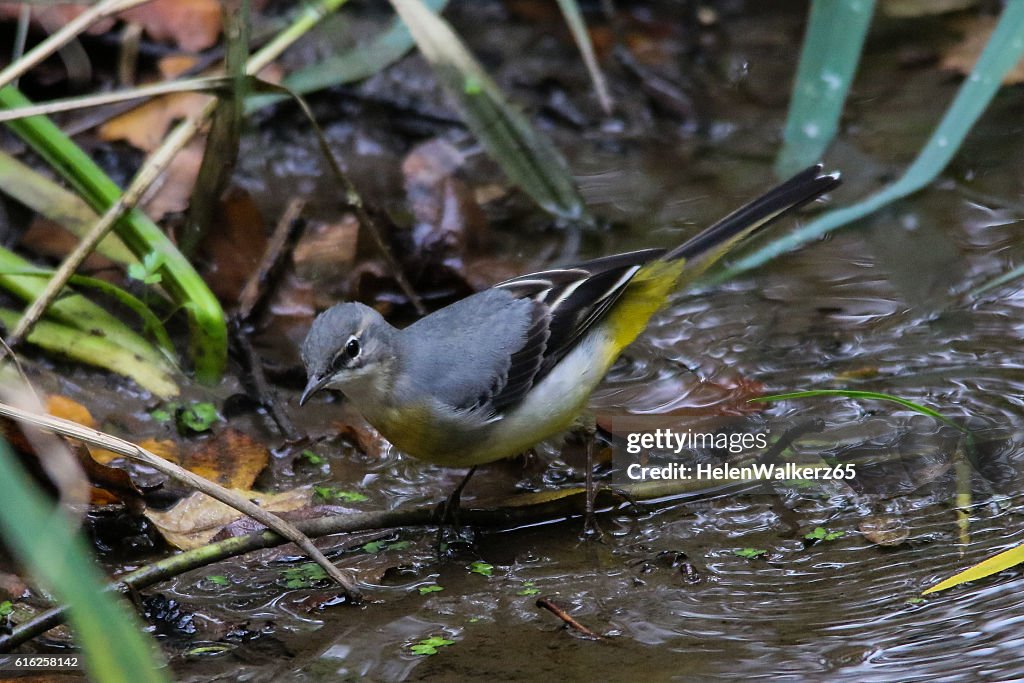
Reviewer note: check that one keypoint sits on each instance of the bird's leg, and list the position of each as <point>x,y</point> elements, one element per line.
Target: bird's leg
<point>450,511</point>
<point>591,531</point>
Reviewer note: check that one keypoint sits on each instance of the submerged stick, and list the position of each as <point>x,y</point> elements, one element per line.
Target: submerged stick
<point>571,622</point>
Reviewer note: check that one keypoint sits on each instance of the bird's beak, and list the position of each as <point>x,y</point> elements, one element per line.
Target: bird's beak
<point>315,384</point>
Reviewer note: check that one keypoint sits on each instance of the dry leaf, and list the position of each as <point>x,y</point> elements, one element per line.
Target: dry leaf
<point>146,126</point>
<point>326,247</point>
<point>49,239</point>
<point>166,449</point>
<point>197,519</point>
<point>193,25</point>
<point>62,406</point>
<point>171,193</point>
<point>232,458</point>
<point>962,56</point>
<point>235,248</point>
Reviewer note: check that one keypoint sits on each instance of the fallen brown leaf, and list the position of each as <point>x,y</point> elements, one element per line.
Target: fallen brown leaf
<point>193,25</point>
<point>232,458</point>
<point>234,250</point>
<point>145,126</point>
<point>326,248</point>
<point>47,238</point>
<point>449,222</point>
<point>197,519</point>
<point>962,56</point>
<point>69,409</point>
<point>109,484</point>
<point>171,193</point>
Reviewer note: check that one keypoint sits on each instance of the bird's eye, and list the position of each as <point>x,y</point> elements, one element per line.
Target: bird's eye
<point>352,348</point>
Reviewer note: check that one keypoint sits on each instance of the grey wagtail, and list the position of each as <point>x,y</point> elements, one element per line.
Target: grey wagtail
<point>494,374</point>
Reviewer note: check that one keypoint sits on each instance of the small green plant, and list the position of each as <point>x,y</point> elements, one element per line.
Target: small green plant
<point>218,580</point>
<point>313,458</point>
<point>148,271</point>
<point>331,493</point>
<point>750,553</point>
<point>197,417</point>
<point>189,418</point>
<point>482,568</point>
<point>433,588</point>
<point>528,589</point>
<point>304,576</point>
<point>820,533</point>
<point>6,608</point>
<point>374,547</point>
<point>428,646</point>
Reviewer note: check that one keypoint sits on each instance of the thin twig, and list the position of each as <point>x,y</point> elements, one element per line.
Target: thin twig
<point>260,387</point>
<point>547,604</point>
<point>206,84</point>
<point>355,202</point>
<point>253,295</point>
<point>66,34</point>
<point>256,289</point>
<point>230,498</point>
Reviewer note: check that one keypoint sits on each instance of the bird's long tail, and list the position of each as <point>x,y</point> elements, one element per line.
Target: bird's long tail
<point>711,244</point>
<point>656,280</point>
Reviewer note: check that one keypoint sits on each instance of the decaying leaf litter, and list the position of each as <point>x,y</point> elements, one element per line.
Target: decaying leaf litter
<point>451,217</point>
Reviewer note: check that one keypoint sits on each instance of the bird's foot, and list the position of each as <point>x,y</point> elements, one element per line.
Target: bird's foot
<point>591,532</point>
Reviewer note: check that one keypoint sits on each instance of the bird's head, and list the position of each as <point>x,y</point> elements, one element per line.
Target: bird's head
<point>348,345</point>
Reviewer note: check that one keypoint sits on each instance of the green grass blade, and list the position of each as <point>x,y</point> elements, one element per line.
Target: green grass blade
<point>828,62</point>
<point>98,350</point>
<point>527,156</point>
<point>114,645</point>
<point>48,199</point>
<point>869,395</point>
<point>78,312</point>
<point>350,66</point>
<point>997,282</point>
<point>988,567</point>
<point>139,233</point>
<point>1004,49</point>
<point>574,19</point>
<point>151,323</point>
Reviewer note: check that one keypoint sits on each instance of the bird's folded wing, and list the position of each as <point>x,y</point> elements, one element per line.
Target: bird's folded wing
<point>567,303</point>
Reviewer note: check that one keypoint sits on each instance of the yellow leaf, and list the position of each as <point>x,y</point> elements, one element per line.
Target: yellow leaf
<point>992,565</point>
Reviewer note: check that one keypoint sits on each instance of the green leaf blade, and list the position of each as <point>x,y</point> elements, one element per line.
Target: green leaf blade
<point>527,156</point>
<point>828,61</point>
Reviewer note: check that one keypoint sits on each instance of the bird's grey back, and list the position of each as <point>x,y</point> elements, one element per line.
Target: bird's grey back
<point>461,354</point>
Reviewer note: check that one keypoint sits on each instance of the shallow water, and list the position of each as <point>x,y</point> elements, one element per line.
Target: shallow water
<point>876,307</point>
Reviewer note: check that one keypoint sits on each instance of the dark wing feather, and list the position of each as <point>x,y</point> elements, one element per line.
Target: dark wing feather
<point>567,303</point>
